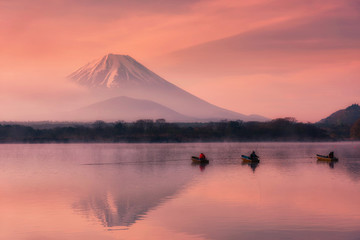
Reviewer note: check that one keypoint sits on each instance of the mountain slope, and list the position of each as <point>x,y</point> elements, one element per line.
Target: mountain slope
<point>126,109</point>
<point>346,116</point>
<point>120,75</point>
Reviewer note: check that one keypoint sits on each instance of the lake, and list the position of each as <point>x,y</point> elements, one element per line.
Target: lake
<point>152,191</point>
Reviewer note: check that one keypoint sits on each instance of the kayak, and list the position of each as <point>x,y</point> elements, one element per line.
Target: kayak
<point>325,158</point>
<point>198,160</point>
<point>249,160</point>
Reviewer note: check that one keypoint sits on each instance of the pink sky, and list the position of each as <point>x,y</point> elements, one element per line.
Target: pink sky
<point>274,58</point>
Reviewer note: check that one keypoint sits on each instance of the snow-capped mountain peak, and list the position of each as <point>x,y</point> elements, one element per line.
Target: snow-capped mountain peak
<point>115,71</point>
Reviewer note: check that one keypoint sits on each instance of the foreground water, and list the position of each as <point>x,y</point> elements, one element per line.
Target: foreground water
<point>151,191</point>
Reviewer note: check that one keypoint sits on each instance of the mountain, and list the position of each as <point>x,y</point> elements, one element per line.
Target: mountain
<point>127,109</point>
<point>116,71</point>
<point>120,75</point>
<point>346,116</point>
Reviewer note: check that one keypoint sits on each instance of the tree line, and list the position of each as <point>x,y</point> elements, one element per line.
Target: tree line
<point>283,129</point>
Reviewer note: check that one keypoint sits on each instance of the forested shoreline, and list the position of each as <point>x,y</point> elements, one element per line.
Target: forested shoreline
<point>284,129</point>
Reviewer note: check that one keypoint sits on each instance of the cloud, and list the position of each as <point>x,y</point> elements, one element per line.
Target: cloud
<point>284,45</point>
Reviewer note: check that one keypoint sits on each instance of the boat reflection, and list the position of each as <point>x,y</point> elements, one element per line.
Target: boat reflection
<point>330,163</point>
<point>201,166</point>
<point>252,165</point>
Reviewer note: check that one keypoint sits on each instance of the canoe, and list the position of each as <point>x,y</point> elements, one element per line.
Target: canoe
<point>325,158</point>
<point>249,160</point>
<point>198,160</point>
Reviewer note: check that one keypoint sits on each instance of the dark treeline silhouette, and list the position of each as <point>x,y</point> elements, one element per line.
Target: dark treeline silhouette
<point>343,124</point>
<point>355,130</point>
<point>284,129</point>
<point>341,130</point>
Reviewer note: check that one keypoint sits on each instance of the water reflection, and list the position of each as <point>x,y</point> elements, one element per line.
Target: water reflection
<point>151,191</point>
<point>353,168</point>
<point>252,165</point>
<point>331,164</point>
<point>121,199</point>
<point>201,166</point>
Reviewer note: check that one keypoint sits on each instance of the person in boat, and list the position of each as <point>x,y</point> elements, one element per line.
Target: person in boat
<point>202,156</point>
<point>253,156</point>
<point>331,155</point>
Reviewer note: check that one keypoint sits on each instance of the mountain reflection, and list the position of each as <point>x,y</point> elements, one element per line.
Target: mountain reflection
<point>121,200</point>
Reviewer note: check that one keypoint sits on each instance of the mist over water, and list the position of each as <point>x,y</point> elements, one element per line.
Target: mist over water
<point>152,191</point>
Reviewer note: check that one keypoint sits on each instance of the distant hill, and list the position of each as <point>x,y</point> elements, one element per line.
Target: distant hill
<point>126,109</point>
<point>347,116</point>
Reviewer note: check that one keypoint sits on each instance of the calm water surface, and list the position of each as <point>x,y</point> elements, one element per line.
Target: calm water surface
<point>152,191</point>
